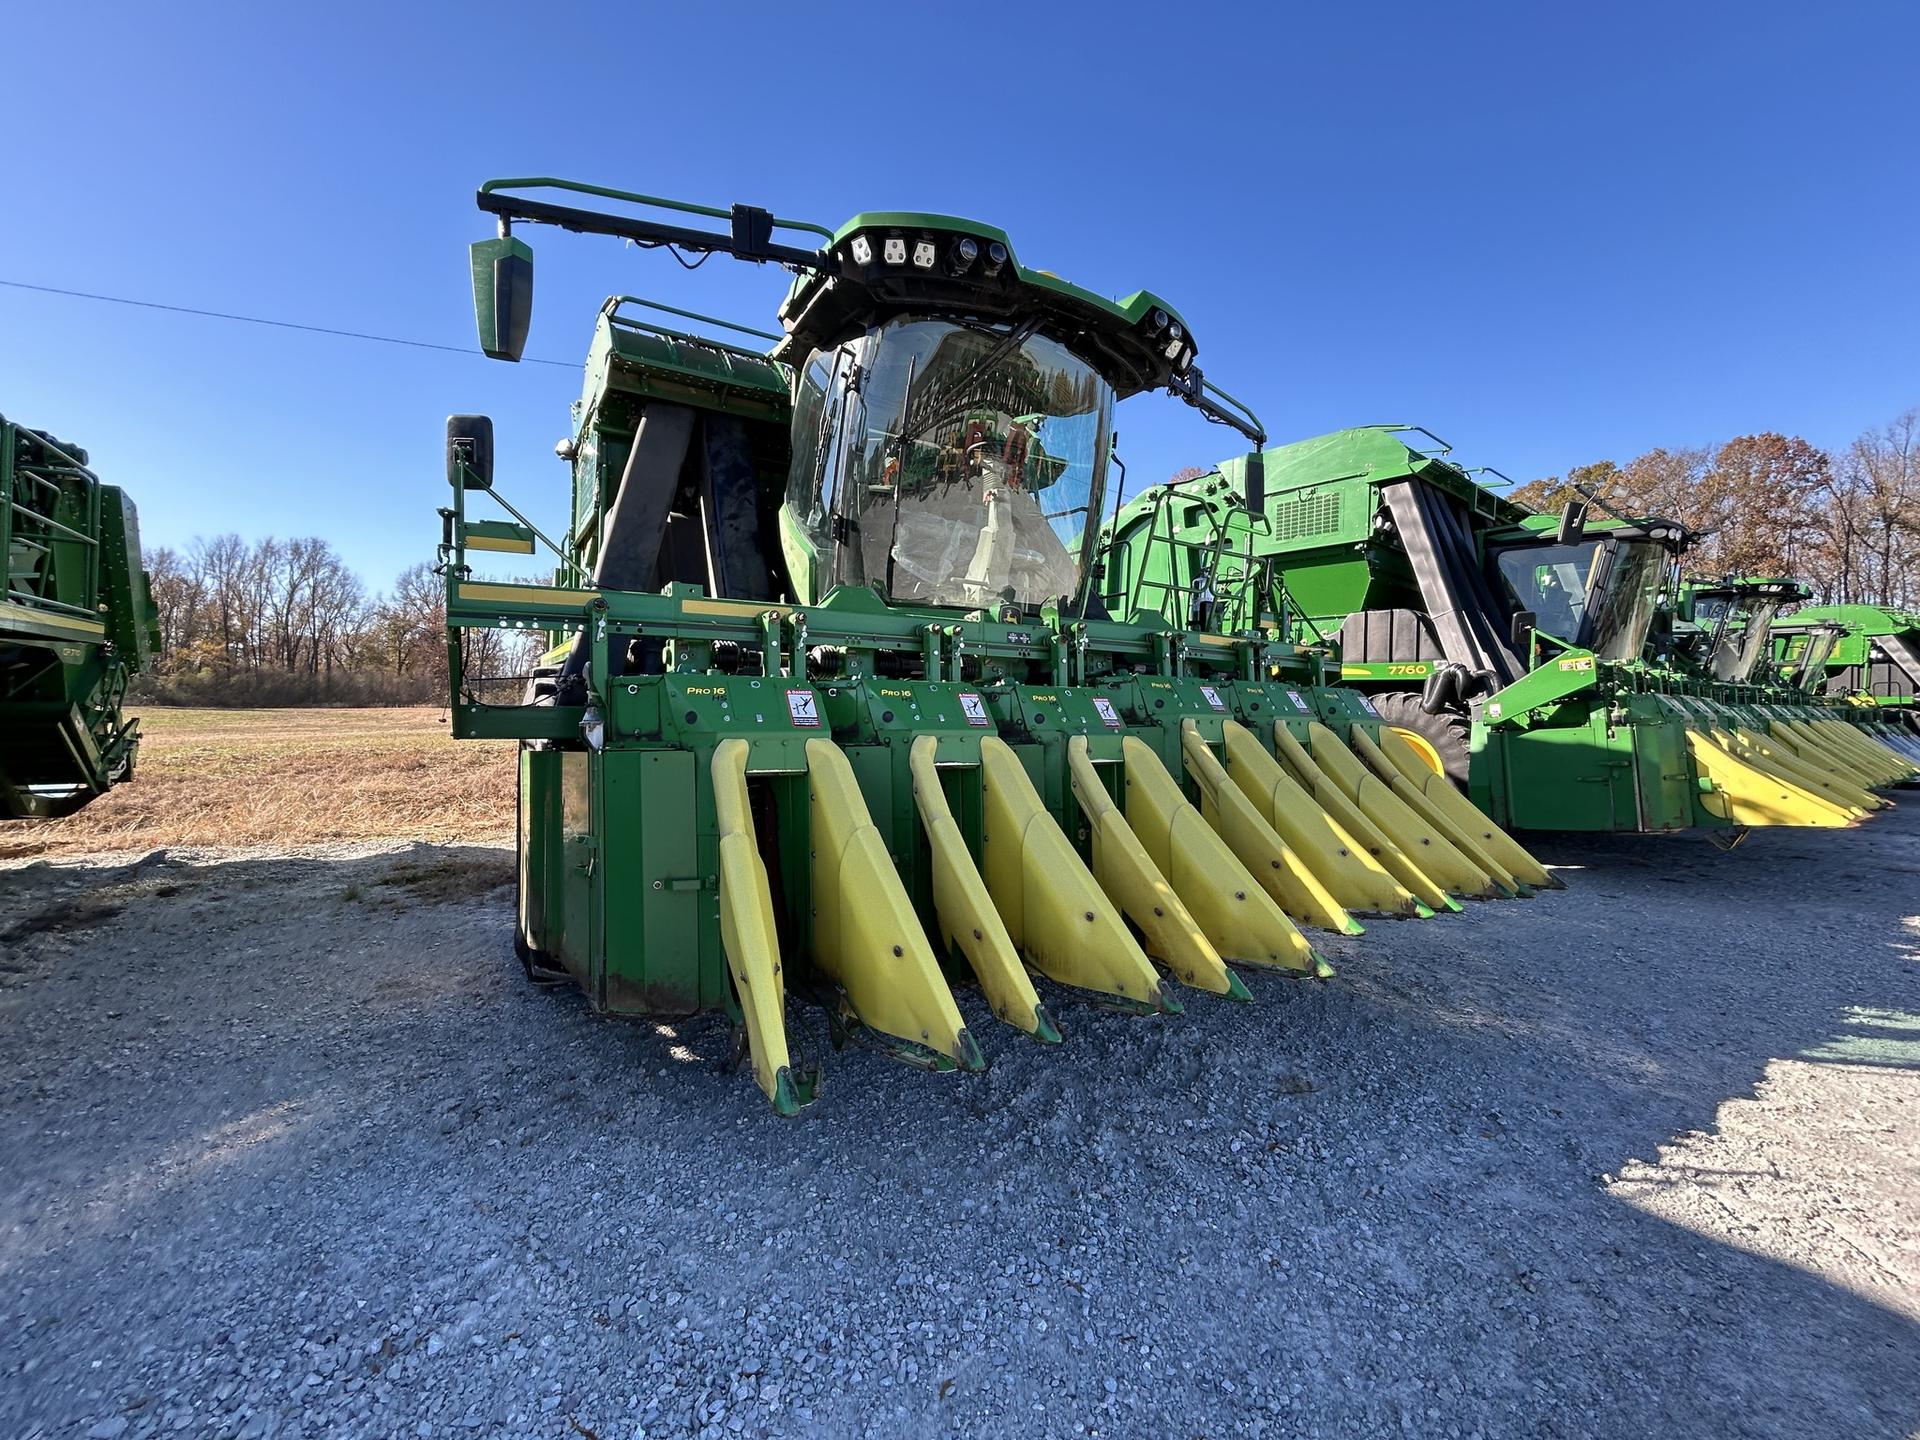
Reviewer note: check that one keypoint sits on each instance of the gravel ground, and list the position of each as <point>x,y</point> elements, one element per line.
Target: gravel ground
<point>292,1149</point>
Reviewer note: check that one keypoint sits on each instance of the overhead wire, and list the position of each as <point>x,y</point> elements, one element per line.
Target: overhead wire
<point>259,320</point>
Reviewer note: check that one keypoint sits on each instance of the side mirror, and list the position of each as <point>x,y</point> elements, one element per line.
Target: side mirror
<point>1256,483</point>
<point>470,452</point>
<point>502,295</point>
<point>1521,631</point>
<point>1573,521</point>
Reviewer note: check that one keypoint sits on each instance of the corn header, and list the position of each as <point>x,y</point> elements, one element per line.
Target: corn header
<point>831,707</point>
<point>1867,655</point>
<point>1531,657</point>
<point>76,624</point>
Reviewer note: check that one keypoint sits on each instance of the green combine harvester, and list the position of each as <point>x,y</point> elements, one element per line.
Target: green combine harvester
<point>1731,634</point>
<point>1521,653</point>
<point>75,626</point>
<point>1865,655</point>
<point>832,709</point>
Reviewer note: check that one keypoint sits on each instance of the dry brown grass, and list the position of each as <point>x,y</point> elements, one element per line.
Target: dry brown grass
<point>289,777</point>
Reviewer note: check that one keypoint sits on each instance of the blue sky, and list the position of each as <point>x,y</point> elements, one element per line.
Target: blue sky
<point>1550,233</point>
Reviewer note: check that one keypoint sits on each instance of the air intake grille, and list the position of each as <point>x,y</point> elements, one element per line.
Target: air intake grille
<point>1311,515</point>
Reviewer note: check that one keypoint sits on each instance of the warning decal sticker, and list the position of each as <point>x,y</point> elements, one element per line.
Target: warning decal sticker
<point>801,707</point>
<point>974,708</point>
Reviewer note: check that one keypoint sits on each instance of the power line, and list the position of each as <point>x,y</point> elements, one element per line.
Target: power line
<point>257,320</point>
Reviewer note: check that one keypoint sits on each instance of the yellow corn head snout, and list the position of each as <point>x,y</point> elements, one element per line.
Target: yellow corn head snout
<point>1270,842</point>
<point>865,932</point>
<point>1450,814</point>
<point>1437,856</point>
<point>1278,869</point>
<point>1811,772</point>
<point>1055,911</point>
<point>966,910</point>
<point>1131,881</point>
<point>1350,871</point>
<point>746,929</point>
<point>1744,790</point>
<point>1236,914</point>
<point>1330,798</point>
<point>1464,815</point>
<point>1873,758</point>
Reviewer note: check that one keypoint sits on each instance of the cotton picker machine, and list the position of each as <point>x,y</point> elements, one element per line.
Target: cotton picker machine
<point>75,624</point>
<point>1521,653</point>
<point>832,709</point>
<point>1865,655</point>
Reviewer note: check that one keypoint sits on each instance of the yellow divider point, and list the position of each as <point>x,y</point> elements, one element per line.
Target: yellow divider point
<point>1822,753</point>
<point>1747,795</point>
<point>1121,866</point>
<point>1055,911</point>
<point>1268,858</point>
<point>1238,917</point>
<point>865,932</point>
<point>1809,772</point>
<point>1818,749</point>
<point>1351,874</point>
<point>1462,837</point>
<point>747,934</point>
<point>1330,798</point>
<point>1875,758</point>
<point>1896,763</point>
<point>1440,822</point>
<point>1443,794</point>
<point>1436,854</point>
<point>1770,766</point>
<point>965,909</point>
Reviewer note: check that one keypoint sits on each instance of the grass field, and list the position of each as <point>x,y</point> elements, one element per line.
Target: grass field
<point>289,777</point>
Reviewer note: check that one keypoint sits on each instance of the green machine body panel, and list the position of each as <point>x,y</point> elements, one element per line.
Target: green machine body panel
<point>1551,662</point>
<point>1875,656</point>
<point>76,623</point>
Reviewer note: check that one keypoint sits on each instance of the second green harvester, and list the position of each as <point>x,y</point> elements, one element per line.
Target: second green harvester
<point>1514,648</point>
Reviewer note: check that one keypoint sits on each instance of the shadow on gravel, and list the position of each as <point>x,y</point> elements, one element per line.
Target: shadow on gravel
<point>1377,1205</point>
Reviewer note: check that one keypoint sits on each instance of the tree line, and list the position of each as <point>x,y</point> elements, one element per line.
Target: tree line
<point>287,622</point>
<point>1847,522</point>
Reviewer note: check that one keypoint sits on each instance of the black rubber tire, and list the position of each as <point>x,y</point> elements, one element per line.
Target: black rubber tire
<point>1448,732</point>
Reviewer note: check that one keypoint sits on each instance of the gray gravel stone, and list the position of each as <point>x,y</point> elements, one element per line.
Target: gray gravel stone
<point>1631,1158</point>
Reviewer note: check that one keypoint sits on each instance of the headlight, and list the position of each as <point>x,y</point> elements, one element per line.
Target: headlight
<point>923,254</point>
<point>862,250</point>
<point>996,257</point>
<point>965,251</point>
<point>895,250</point>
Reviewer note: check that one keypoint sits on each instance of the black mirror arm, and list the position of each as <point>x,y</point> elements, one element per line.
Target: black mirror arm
<point>749,236</point>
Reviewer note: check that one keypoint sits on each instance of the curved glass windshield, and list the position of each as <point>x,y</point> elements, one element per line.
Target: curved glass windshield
<point>1743,638</point>
<point>1813,661</point>
<point>1600,593</point>
<point>956,464</point>
<point>1551,581</point>
<point>1623,612</point>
